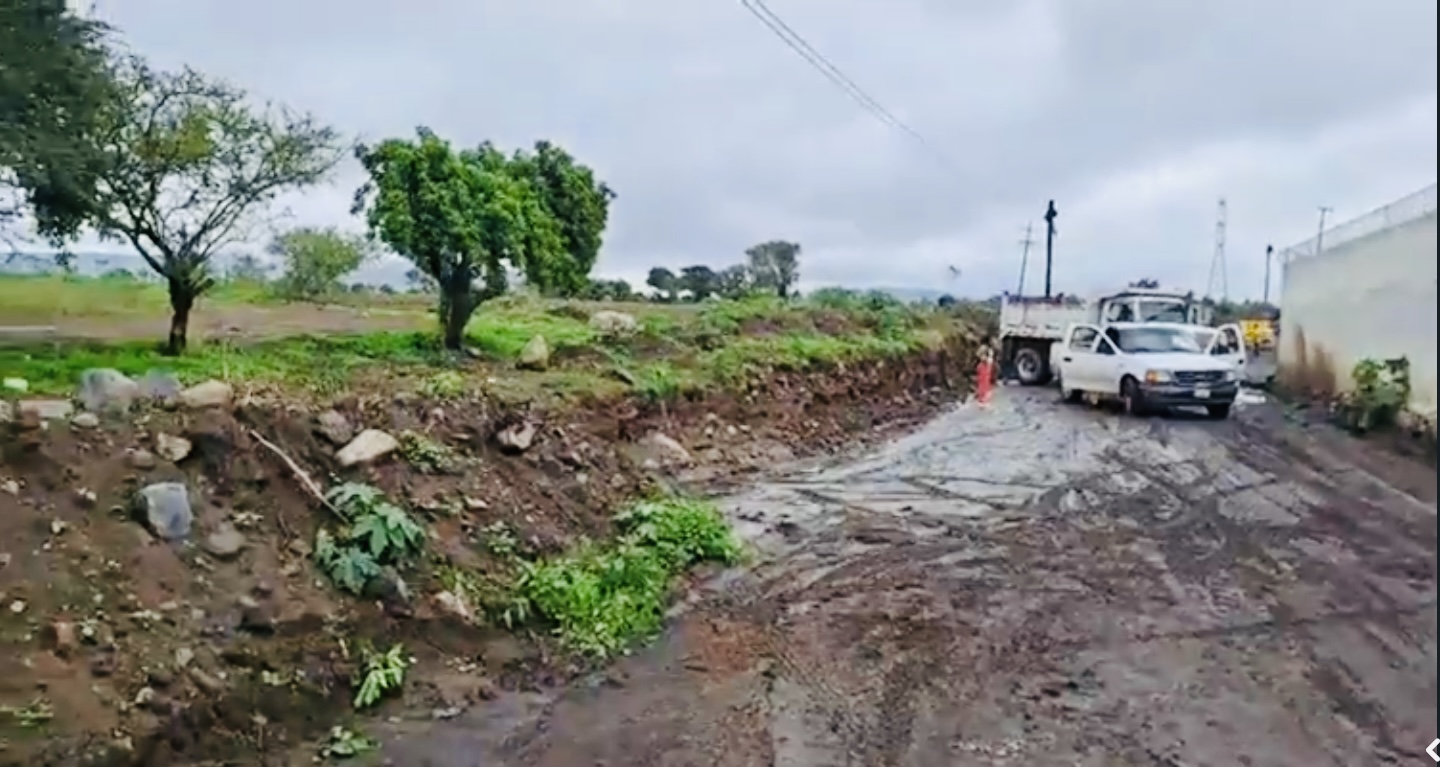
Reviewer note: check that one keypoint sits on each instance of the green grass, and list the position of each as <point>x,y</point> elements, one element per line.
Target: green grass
<point>678,349</point>
<point>35,299</point>
<point>602,598</point>
<point>316,362</point>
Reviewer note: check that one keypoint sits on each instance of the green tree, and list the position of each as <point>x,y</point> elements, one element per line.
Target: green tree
<point>315,259</point>
<point>733,281</point>
<point>187,167</point>
<point>664,281</point>
<point>608,290</point>
<point>247,268</point>
<point>55,81</point>
<point>460,217</point>
<point>700,280</point>
<point>579,203</point>
<point>775,265</point>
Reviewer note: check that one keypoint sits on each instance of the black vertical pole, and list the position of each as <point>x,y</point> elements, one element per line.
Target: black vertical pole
<point>1269,249</point>
<point>1050,216</point>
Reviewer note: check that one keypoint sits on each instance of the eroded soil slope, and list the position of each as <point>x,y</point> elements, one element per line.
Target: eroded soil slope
<point>1031,584</point>
<point>228,647</point>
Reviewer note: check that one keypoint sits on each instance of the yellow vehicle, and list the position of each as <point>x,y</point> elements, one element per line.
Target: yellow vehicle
<point>1259,334</point>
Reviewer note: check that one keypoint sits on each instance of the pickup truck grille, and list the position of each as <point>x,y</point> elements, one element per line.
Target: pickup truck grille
<point>1193,377</point>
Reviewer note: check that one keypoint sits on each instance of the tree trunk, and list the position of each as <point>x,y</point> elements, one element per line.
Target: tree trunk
<point>455,313</point>
<point>182,300</point>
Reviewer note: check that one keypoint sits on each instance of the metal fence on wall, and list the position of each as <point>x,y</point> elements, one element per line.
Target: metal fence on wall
<point>1404,210</point>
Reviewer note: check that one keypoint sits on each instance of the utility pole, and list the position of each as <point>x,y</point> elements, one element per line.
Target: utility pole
<point>1050,216</point>
<point>1320,230</point>
<point>1025,258</point>
<point>1218,271</point>
<point>1269,256</point>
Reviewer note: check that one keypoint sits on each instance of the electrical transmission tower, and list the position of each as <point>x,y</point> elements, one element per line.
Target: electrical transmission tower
<point>1218,273</point>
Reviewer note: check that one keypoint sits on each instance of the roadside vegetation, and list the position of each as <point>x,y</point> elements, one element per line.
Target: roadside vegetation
<point>501,315</point>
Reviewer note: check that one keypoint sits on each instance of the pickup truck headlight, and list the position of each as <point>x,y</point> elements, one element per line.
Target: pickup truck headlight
<point>1229,376</point>
<point>1158,376</point>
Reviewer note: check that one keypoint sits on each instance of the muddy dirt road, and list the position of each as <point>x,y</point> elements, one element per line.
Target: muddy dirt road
<point>1030,584</point>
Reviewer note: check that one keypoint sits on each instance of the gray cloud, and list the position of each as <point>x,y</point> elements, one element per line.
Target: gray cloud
<point>1134,116</point>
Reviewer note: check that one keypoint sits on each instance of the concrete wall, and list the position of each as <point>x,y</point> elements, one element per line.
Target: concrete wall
<point>1368,297</point>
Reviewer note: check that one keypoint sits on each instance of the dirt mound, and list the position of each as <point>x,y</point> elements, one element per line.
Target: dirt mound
<point>121,647</point>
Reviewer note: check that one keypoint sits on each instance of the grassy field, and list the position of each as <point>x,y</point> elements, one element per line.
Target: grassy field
<point>676,348</point>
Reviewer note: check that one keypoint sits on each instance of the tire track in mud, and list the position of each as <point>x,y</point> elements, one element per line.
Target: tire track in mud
<point>1027,583</point>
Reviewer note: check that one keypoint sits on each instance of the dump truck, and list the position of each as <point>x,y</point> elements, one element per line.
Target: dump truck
<point>1032,326</point>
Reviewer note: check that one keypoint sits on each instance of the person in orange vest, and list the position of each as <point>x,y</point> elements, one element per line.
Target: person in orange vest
<point>985,374</point>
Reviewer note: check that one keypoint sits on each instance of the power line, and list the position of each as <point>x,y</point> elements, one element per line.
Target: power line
<point>1026,242</point>
<point>814,58</point>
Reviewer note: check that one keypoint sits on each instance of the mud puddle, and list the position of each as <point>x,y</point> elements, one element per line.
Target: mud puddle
<point>1022,583</point>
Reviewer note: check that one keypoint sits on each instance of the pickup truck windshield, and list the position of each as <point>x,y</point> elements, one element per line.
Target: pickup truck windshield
<point>1163,311</point>
<point>1153,340</point>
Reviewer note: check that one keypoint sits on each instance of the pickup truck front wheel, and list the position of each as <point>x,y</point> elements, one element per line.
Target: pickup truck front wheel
<point>1132,398</point>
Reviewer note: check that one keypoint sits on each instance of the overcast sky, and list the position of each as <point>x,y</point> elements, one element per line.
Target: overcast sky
<point>1136,117</point>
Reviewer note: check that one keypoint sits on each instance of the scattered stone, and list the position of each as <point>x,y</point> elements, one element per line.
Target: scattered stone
<point>668,450</point>
<point>107,390</point>
<point>10,486</point>
<point>516,438</point>
<point>452,605</point>
<point>225,543</point>
<point>209,394</point>
<point>535,355</point>
<point>256,617</point>
<point>103,662</point>
<point>369,445</point>
<point>62,637</point>
<point>159,385</point>
<point>207,683</point>
<point>7,411</point>
<point>166,509</point>
<point>85,421</point>
<point>141,459</point>
<point>441,714</point>
<point>334,427</point>
<point>611,323</point>
<point>476,504</point>
<point>86,497</point>
<point>46,409</point>
<point>183,656</point>
<point>18,606</point>
<point>171,448</point>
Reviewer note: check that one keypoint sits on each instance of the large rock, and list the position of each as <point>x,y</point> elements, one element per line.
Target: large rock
<point>667,451</point>
<point>166,509</point>
<point>334,427</point>
<point>369,445</point>
<point>612,323</point>
<point>160,384</point>
<point>209,394</point>
<point>106,389</point>
<point>46,409</point>
<point>172,448</point>
<point>535,355</point>
<point>516,438</point>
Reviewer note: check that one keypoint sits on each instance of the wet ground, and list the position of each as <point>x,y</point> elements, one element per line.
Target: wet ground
<point>1031,583</point>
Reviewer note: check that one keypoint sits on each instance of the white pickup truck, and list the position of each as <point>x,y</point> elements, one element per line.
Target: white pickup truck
<point>1151,366</point>
<point>1032,327</point>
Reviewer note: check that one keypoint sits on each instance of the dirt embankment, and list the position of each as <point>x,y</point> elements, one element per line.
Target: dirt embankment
<point>118,647</point>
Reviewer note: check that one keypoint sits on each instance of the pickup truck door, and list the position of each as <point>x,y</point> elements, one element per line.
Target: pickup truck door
<point>1229,344</point>
<point>1078,360</point>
